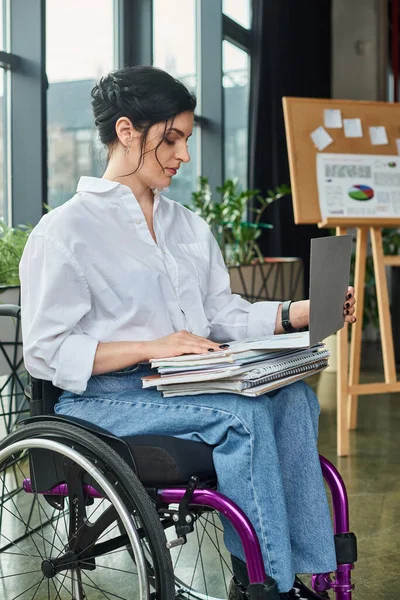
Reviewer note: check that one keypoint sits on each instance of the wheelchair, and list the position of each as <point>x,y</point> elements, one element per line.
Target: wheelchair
<point>87,515</point>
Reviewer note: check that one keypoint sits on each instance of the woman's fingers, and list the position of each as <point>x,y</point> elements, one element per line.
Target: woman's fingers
<point>350,319</point>
<point>196,340</point>
<point>349,306</point>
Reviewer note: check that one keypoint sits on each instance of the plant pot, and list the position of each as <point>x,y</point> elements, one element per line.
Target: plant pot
<point>10,331</point>
<point>274,279</point>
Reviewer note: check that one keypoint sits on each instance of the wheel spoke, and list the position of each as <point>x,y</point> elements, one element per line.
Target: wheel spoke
<point>20,517</point>
<point>217,547</point>
<point>38,503</point>
<point>61,586</point>
<point>19,574</point>
<point>37,589</point>
<point>201,555</point>
<point>31,532</point>
<point>19,548</point>
<point>96,587</point>
<point>83,562</point>
<point>27,590</point>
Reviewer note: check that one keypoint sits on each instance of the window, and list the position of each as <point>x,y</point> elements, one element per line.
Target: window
<point>80,49</point>
<point>174,50</point>
<point>239,11</point>
<point>4,116</point>
<point>236,77</point>
<point>3,148</point>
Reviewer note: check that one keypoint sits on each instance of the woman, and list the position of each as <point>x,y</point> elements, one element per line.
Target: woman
<point>119,275</point>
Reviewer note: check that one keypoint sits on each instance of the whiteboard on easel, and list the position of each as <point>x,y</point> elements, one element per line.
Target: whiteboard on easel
<point>358,185</point>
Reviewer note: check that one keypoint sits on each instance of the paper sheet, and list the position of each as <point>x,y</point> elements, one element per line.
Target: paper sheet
<point>358,185</point>
<point>321,138</point>
<point>378,136</point>
<point>352,128</point>
<point>333,118</point>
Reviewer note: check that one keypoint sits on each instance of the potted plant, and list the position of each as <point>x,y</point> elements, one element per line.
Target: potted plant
<point>252,275</point>
<point>12,244</point>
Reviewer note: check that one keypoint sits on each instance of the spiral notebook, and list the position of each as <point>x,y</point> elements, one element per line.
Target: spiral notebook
<point>257,379</point>
<point>253,392</point>
<point>232,370</point>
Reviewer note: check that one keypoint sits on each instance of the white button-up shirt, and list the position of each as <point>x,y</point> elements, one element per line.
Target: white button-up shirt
<point>91,272</point>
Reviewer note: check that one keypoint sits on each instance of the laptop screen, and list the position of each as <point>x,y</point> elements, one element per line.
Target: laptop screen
<point>329,279</point>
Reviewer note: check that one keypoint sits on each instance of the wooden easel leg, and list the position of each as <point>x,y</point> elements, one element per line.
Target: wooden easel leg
<point>356,329</point>
<point>342,383</point>
<point>382,295</point>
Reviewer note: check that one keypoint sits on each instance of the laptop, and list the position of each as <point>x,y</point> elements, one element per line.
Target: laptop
<point>330,259</point>
<point>329,279</point>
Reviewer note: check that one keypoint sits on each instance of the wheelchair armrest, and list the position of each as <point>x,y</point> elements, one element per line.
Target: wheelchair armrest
<point>10,310</point>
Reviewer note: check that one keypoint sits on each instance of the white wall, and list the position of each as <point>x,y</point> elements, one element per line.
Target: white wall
<point>359,49</point>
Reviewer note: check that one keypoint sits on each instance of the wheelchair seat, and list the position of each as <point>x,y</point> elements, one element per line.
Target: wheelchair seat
<point>158,460</point>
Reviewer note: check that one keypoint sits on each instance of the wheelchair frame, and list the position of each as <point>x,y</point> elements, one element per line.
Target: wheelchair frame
<point>344,539</point>
<point>191,496</point>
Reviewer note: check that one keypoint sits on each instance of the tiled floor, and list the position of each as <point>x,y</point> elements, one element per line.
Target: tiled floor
<point>372,476</point>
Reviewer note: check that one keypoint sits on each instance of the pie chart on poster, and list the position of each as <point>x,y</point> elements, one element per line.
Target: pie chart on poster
<point>361,192</point>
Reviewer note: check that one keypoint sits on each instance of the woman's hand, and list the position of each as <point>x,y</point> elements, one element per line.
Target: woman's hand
<point>348,307</point>
<point>300,312</point>
<point>177,344</point>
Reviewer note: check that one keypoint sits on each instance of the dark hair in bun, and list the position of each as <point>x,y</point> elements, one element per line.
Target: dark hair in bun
<point>145,95</point>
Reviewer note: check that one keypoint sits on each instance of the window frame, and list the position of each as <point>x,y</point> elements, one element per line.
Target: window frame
<point>28,151</point>
<point>133,45</point>
<point>242,38</point>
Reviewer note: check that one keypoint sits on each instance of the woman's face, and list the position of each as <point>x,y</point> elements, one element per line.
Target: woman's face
<point>160,166</point>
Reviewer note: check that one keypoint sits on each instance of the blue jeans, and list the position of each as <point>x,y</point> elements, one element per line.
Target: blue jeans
<point>266,458</point>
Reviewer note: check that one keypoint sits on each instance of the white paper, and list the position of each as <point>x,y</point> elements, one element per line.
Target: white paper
<point>358,185</point>
<point>321,138</point>
<point>333,118</point>
<point>352,128</point>
<point>378,136</point>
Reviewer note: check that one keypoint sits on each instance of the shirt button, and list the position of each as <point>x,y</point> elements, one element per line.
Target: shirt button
<point>138,221</point>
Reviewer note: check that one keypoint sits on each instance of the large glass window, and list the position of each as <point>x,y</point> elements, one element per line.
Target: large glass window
<point>239,11</point>
<point>80,49</point>
<point>4,117</point>
<point>174,50</point>
<point>236,77</point>
<point>3,148</point>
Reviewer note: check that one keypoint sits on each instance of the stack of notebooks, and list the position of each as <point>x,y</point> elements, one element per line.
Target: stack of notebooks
<point>250,367</point>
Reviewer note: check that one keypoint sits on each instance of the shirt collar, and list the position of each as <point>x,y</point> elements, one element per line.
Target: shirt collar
<point>96,185</point>
<point>99,185</point>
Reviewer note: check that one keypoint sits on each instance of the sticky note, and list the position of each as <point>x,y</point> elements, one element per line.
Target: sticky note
<point>378,136</point>
<point>321,138</point>
<point>333,118</point>
<point>352,128</point>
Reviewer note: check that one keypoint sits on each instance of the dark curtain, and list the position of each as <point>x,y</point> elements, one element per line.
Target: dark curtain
<point>291,57</point>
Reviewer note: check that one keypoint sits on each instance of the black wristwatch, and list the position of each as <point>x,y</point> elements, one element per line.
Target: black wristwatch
<point>286,323</point>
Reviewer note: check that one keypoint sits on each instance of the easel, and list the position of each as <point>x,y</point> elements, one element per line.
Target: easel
<point>302,116</point>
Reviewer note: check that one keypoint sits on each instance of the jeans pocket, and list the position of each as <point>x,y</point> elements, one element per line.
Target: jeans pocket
<point>125,371</point>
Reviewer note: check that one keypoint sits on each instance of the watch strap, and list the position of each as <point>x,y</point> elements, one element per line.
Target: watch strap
<point>286,323</point>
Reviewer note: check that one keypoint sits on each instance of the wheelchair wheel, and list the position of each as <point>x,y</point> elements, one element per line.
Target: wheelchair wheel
<point>76,547</point>
<point>202,567</point>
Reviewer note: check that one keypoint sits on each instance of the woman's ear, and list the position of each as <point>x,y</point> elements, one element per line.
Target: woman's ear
<point>124,130</point>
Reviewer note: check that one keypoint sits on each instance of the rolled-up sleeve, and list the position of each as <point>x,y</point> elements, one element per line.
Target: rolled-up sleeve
<point>230,316</point>
<point>54,298</point>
